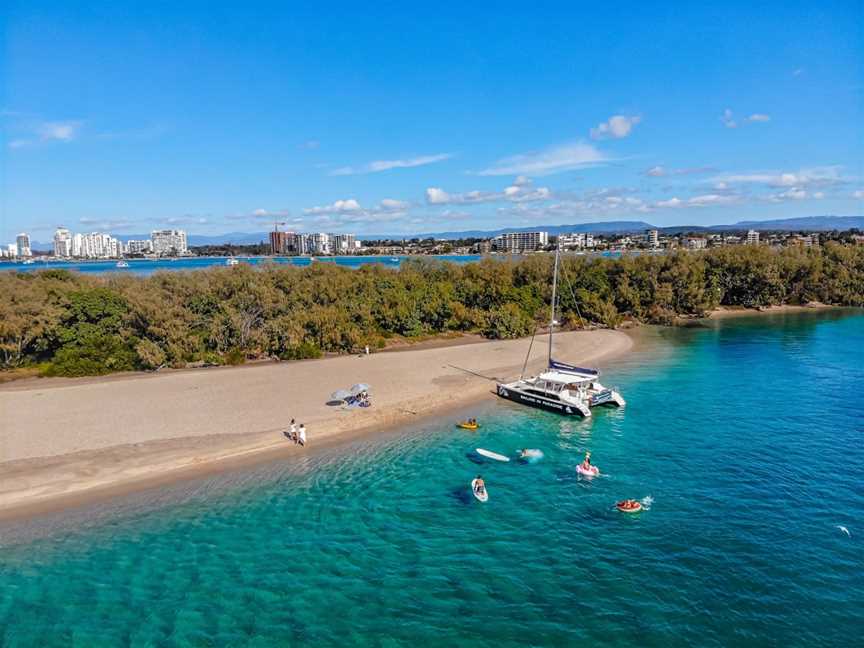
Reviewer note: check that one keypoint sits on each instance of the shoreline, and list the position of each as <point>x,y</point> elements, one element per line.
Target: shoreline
<point>723,312</point>
<point>93,439</point>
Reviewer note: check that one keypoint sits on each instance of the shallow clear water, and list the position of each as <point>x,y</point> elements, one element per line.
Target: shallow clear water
<point>747,434</point>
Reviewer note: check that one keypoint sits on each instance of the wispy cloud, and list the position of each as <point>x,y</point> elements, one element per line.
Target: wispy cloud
<point>616,127</point>
<point>348,212</point>
<point>661,171</point>
<point>705,200</point>
<point>556,159</point>
<point>106,224</point>
<point>813,177</point>
<point>46,133</point>
<point>386,165</point>
<point>309,145</point>
<point>338,207</point>
<point>729,121</point>
<point>520,191</point>
<point>63,131</point>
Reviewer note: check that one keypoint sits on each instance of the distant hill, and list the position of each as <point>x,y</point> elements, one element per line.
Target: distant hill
<point>810,223</point>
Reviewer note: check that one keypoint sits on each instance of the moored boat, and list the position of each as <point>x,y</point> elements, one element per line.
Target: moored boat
<point>562,388</point>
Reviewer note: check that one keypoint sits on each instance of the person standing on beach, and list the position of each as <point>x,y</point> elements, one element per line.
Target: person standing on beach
<point>301,435</point>
<point>292,433</point>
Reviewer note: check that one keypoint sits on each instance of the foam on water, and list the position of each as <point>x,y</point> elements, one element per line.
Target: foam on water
<point>380,542</point>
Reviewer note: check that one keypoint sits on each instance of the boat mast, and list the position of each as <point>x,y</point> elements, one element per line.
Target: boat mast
<point>554,295</point>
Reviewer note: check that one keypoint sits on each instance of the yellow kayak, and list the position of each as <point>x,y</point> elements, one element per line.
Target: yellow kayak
<point>468,426</point>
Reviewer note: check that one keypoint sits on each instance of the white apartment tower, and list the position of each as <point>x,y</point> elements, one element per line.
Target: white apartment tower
<point>517,242</point>
<point>169,242</point>
<point>23,243</point>
<point>752,237</point>
<point>62,243</point>
<point>652,238</point>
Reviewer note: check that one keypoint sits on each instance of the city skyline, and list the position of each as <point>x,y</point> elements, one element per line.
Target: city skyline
<point>453,122</point>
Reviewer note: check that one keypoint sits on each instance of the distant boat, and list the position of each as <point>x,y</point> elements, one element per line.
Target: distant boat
<point>122,264</point>
<point>231,261</point>
<point>395,259</point>
<point>29,261</point>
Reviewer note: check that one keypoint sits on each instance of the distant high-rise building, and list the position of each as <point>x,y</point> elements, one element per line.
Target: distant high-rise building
<point>344,243</point>
<point>12,250</point>
<point>169,242</point>
<point>319,243</point>
<point>752,237</point>
<point>141,246</point>
<point>95,246</point>
<point>62,243</point>
<point>517,242</point>
<point>279,242</point>
<point>568,241</point>
<point>22,241</point>
<point>652,238</point>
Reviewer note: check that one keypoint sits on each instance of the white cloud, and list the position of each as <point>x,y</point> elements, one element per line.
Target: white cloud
<point>705,200</point>
<point>556,159</point>
<point>815,177</point>
<point>710,199</point>
<point>338,207</point>
<point>616,127</point>
<point>391,204</point>
<point>521,190</point>
<point>105,224</point>
<point>729,121</point>
<point>64,131</point>
<point>47,132</point>
<point>385,165</point>
<point>790,194</point>
<point>309,145</point>
<point>660,171</point>
<point>819,195</point>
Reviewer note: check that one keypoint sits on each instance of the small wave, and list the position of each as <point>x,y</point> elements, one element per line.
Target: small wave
<point>647,502</point>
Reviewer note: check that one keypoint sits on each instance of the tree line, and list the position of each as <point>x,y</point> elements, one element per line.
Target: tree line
<point>71,324</point>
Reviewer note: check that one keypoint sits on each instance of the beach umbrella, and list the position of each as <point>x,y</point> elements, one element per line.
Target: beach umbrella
<point>359,387</point>
<point>340,395</point>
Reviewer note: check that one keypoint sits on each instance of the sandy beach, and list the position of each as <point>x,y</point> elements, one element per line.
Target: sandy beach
<point>65,440</point>
<point>724,311</point>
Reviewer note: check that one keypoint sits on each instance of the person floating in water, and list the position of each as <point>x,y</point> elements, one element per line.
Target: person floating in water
<point>586,464</point>
<point>479,485</point>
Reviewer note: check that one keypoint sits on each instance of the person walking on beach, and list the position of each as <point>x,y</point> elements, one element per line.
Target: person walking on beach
<point>292,432</point>
<point>301,435</point>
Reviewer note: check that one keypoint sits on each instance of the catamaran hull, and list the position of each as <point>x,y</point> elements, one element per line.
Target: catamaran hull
<point>541,403</point>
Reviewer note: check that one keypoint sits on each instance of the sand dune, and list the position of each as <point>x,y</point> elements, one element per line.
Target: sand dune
<point>63,437</point>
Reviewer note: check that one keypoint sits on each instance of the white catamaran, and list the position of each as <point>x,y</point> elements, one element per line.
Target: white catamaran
<point>562,388</point>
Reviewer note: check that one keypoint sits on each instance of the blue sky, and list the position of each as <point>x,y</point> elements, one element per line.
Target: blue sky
<point>402,118</point>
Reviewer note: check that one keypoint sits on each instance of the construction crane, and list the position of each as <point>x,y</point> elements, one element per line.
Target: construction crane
<point>275,244</point>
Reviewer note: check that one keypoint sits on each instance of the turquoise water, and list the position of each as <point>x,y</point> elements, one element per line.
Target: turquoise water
<point>148,267</point>
<point>748,435</point>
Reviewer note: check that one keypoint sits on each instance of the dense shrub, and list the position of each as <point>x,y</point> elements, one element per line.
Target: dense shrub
<point>82,325</point>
